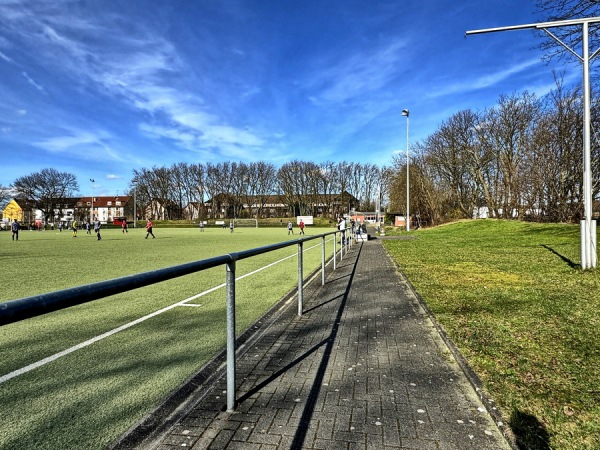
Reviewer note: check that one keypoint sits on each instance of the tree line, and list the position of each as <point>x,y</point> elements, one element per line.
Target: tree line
<point>306,188</point>
<point>522,158</point>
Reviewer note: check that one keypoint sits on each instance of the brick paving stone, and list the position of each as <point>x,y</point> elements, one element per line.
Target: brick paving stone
<point>363,368</point>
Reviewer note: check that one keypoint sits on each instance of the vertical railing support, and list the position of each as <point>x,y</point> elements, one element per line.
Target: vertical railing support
<point>334,249</point>
<point>323,261</point>
<point>300,280</point>
<point>230,283</point>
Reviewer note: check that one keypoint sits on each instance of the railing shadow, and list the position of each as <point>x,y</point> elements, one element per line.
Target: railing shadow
<point>571,263</point>
<point>328,342</point>
<point>320,305</point>
<point>313,395</point>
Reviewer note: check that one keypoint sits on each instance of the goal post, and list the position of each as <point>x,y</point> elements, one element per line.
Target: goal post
<point>245,223</point>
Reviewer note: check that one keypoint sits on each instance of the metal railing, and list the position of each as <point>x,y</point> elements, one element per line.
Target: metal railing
<point>37,305</point>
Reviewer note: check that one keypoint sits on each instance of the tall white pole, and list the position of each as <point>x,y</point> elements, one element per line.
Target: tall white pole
<point>407,113</point>
<point>134,205</point>
<point>378,205</point>
<point>92,208</point>
<point>587,260</point>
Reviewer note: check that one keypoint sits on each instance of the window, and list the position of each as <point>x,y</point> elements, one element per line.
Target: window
<point>109,203</point>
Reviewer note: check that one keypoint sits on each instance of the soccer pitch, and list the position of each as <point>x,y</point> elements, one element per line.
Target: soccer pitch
<point>81,377</point>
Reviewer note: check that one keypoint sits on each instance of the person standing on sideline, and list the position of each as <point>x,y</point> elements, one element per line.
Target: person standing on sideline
<point>124,226</point>
<point>97,228</point>
<point>149,229</point>
<point>301,225</point>
<point>74,228</point>
<point>15,230</point>
<point>342,228</point>
<point>290,227</point>
<point>202,226</point>
<point>88,228</point>
<point>231,226</point>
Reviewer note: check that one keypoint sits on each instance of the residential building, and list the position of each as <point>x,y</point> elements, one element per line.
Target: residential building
<point>104,208</point>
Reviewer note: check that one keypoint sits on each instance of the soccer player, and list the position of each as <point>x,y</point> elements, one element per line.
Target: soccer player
<point>15,230</point>
<point>149,229</point>
<point>97,228</point>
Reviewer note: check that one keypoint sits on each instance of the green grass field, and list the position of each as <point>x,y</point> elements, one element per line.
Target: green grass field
<point>511,296</point>
<point>88,398</point>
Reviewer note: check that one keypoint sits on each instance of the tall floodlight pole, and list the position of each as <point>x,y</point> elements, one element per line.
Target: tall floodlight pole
<point>377,204</point>
<point>92,209</point>
<point>134,204</point>
<point>406,113</point>
<point>588,227</point>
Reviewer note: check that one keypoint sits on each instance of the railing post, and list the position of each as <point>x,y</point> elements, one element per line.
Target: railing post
<point>300,279</point>
<point>230,283</point>
<point>323,261</point>
<point>334,249</point>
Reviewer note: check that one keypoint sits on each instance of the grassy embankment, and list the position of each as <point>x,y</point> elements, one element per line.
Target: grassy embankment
<point>512,297</point>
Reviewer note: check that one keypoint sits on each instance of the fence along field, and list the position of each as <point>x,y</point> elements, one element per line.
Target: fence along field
<point>88,397</point>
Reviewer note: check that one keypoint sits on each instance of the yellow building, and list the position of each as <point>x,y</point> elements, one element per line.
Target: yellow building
<point>13,211</point>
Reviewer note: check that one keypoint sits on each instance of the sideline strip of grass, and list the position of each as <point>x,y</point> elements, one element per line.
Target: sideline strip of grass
<point>512,298</point>
<point>89,398</point>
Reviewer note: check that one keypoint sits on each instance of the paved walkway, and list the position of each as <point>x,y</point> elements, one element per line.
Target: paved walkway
<point>363,368</point>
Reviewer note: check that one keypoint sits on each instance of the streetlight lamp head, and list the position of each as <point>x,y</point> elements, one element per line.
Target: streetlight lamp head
<point>405,112</point>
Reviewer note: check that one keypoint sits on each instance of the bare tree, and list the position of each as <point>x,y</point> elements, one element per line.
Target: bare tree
<point>506,132</point>
<point>220,179</point>
<point>555,162</point>
<point>4,193</point>
<point>448,152</point>
<point>295,182</point>
<point>557,10</point>
<point>46,189</point>
<point>427,195</point>
<point>196,182</point>
<point>262,180</point>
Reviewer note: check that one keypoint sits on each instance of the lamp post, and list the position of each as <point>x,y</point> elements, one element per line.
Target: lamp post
<point>135,204</point>
<point>405,113</point>
<point>92,209</point>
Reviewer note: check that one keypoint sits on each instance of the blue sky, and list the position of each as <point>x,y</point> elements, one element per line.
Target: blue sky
<point>98,88</point>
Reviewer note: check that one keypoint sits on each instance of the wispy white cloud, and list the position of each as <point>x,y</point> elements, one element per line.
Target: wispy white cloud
<point>469,84</point>
<point>5,58</point>
<point>136,66</point>
<point>357,75</point>
<point>82,144</point>
<point>32,82</point>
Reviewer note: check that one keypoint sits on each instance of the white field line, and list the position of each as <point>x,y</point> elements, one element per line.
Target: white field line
<point>84,344</point>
